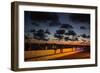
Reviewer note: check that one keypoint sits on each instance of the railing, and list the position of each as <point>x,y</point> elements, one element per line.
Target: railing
<point>45,46</point>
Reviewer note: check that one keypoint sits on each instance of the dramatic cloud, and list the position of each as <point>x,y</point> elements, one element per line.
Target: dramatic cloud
<point>35,24</point>
<point>43,16</point>
<point>40,34</point>
<point>85,36</point>
<point>82,27</point>
<point>47,31</point>
<point>67,26</point>
<point>54,23</point>
<point>59,34</point>
<point>80,18</point>
<point>71,32</point>
<point>60,31</point>
<point>59,26</point>
<point>67,38</point>
<point>33,30</point>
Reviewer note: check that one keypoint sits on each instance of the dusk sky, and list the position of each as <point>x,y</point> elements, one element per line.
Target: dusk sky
<point>51,23</point>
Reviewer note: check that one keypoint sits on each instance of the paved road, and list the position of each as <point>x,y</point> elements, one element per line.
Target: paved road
<point>62,56</point>
<point>80,55</point>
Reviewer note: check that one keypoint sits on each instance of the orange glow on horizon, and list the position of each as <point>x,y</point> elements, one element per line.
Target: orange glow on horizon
<point>57,42</point>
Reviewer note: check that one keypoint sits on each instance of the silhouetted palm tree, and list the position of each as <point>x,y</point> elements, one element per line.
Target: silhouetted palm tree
<point>71,33</point>
<point>40,34</point>
<point>33,31</point>
<point>59,34</point>
<point>47,31</point>
<point>85,36</point>
<point>67,38</point>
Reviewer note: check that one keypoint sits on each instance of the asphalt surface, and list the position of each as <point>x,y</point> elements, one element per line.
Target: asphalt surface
<point>80,55</point>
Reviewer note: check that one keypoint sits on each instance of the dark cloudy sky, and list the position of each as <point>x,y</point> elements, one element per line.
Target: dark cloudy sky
<point>79,23</point>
